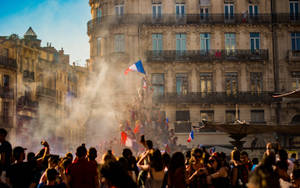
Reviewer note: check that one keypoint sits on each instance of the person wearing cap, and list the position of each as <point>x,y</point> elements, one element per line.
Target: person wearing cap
<point>5,150</point>
<point>19,173</point>
<point>82,173</point>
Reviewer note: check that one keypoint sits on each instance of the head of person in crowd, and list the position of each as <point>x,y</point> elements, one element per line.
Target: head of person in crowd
<point>127,153</point>
<point>293,157</point>
<point>149,144</point>
<point>214,163</point>
<point>124,163</point>
<point>156,160</point>
<point>53,161</point>
<point>166,159</point>
<point>244,157</point>
<point>113,175</point>
<point>69,155</point>
<point>108,156</point>
<point>31,157</point>
<point>188,156</point>
<point>19,154</point>
<point>65,163</point>
<point>81,152</point>
<point>51,175</point>
<point>223,160</point>
<point>296,178</point>
<point>3,134</point>
<point>92,154</point>
<point>255,161</point>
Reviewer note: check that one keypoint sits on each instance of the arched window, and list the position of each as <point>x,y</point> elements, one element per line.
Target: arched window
<point>296,120</point>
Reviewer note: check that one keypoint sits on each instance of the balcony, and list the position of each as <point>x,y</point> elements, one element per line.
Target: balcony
<point>6,93</point>
<point>172,19</point>
<point>46,92</point>
<point>8,62</point>
<point>286,18</point>
<point>206,56</point>
<point>28,76</point>
<point>6,122</point>
<point>216,98</point>
<point>293,56</point>
<point>25,103</point>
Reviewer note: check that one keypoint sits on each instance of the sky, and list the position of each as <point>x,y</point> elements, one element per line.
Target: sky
<point>61,22</point>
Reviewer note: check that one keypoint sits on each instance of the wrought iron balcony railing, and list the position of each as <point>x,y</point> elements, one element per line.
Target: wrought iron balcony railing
<point>207,55</point>
<point>6,122</point>
<point>26,103</point>
<point>8,62</point>
<point>28,76</point>
<point>41,91</point>
<point>286,18</point>
<point>6,92</point>
<point>172,19</point>
<point>217,98</point>
<point>293,55</point>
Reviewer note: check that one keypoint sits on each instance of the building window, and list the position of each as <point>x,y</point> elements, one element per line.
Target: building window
<point>119,10</point>
<point>257,116</point>
<point>180,42</point>
<point>156,10</point>
<point>204,2</point>
<point>5,111</point>
<point>6,81</point>
<point>231,83</point>
<point>229,11</point>
<point>181,84</point>
<point>207,115</point>
<point>158,84</point>
<point>295,80</point>
<point>253,11</point>
<point>99,46</point>
<point>180,9</point>
<point>157,43</point>
<point>205,42</point>
<point>232,115</point>
<point>99,12</point>
<point>119,43</point>
<point>182,124</point>
<point>183,115</point>
<point>204,13</point>
<point>294,10</point>
<point>205,82</point>
<point>4,52</point>
<point>256,82</point>
<point>295,41</point>
<point>254,41</point>
<point>230,44</point>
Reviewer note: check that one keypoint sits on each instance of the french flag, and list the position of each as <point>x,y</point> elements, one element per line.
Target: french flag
<point>191,136</point>
<point>138,67</point>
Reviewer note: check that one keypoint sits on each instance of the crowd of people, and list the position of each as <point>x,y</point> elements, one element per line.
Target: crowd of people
<point>151,168</point>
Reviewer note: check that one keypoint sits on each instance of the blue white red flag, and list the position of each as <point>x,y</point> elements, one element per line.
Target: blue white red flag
<point>191,136</point>
<point>137,67</point>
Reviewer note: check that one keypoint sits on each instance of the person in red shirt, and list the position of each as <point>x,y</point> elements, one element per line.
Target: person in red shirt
<point>82,173</point>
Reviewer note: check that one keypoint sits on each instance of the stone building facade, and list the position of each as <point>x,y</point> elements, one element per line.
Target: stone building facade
<point>206,59</point>
<point>39,86</point>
